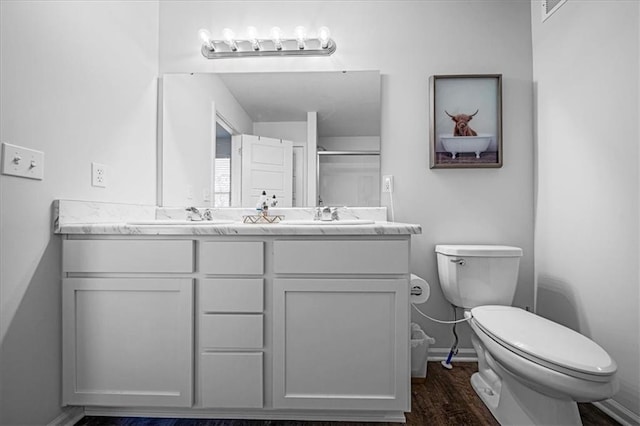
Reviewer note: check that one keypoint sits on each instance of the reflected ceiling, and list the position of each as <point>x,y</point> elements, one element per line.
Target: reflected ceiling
<point>348,103</point>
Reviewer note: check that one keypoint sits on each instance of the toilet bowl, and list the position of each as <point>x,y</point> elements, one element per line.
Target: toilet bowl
<point>531,371</point>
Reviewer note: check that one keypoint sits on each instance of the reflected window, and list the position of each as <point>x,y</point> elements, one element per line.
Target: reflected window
<point>222,195</point>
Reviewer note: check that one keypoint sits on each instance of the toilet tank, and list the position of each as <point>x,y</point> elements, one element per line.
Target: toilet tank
<point>477,275</point>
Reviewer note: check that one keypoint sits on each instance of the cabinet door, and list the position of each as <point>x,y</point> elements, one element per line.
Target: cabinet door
<point>341,344</point>
<point>127,341</point>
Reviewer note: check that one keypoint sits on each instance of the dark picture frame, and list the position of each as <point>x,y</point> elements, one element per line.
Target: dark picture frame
<point>465,125</point>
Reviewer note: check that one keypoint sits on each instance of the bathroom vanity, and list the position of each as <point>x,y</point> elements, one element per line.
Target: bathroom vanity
<point>237,321</point>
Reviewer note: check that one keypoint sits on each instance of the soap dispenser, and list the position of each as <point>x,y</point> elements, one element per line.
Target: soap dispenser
<point>262,201</point>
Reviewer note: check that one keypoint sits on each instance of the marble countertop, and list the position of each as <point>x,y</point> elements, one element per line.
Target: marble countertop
<point>99,218</point>
<point>377,228</point>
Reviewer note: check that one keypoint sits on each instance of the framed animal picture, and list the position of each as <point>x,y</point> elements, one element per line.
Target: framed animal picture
<point>466,121</point>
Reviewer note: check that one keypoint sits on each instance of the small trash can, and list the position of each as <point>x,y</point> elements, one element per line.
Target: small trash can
<point>419,352</point>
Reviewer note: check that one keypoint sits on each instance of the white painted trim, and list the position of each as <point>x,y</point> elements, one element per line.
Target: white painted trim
<point>464,355</point>
<point>212,159</point>
<point>312,159</point>
<point>159,140</point>
<point>70,415</point>
<point>546,14</point>
<point>619,413</point>
<point>295,415</point>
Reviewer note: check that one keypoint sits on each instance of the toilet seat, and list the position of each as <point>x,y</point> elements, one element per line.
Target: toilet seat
<point>544,342</point>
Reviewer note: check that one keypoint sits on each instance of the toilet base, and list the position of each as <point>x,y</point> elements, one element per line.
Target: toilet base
<point>513,403</point>
<point>506,409</point>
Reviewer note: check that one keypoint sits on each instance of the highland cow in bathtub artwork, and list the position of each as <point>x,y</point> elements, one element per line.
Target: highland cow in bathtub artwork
<point>462,127</point>
<point>466,121</point>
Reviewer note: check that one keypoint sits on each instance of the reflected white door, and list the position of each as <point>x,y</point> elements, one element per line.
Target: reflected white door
<point>267,165</point>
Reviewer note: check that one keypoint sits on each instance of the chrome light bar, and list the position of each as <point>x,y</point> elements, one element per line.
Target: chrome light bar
<point>230,47</point>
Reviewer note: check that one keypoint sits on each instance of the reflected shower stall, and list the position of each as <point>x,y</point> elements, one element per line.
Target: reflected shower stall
<point>348,178</point>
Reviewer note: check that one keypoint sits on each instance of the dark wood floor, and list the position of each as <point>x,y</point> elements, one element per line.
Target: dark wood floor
<point>445,399</point>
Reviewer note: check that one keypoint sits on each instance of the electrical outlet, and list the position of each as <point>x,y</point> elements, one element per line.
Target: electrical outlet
<point>206,194</point>
<point>98,175</point>
<point>189,192</point>
<point>387,183</point>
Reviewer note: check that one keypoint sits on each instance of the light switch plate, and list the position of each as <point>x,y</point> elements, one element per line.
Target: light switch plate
<point>22,162</point>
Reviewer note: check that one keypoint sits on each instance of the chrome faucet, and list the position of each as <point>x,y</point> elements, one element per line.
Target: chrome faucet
<point>195,215</point>
<point>326,213</point>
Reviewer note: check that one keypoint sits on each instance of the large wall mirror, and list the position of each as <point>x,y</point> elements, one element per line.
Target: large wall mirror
<point>309,138</point>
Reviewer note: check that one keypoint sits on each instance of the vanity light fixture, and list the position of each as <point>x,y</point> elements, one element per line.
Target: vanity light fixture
<point>276,45</point>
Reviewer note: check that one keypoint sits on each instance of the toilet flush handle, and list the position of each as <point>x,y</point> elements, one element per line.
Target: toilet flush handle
<point>459,262</point>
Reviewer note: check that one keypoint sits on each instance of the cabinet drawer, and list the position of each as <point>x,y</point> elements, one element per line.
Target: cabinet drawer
<point>231,331</point>
<point>127,256</point>
<point>231,295</point>
<point>231,380</point>
<point>341,257</point>
<point>232,257</point>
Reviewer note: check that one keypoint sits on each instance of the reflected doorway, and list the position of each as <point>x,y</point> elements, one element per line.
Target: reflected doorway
<point>222,168</point>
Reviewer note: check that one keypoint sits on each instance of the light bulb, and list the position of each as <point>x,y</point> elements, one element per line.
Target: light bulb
<point>324,35</point>
<point>229,37</point>
<point>301,36</point>
<point>252,35</point>
<point>205,36</point>
<point>276,37</point>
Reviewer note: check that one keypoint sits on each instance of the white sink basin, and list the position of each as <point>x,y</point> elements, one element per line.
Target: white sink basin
<point>328,222</point>
<point>165,222</point>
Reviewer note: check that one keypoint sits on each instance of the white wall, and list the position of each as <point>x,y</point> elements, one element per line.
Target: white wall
<point>407,41</point>
<point>79,83</point>
<point>350,143</point>
<point>586,72</point>
<point>188,120</point>
<point>294,131</point>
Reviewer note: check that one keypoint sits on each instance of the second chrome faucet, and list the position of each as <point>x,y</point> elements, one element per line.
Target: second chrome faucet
<point>326,213</point>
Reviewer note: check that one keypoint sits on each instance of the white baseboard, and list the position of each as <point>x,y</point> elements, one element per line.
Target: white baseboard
<point>69,416</point>
<point>294,415</point>
<point>621,414</point>
<point>464,355</point>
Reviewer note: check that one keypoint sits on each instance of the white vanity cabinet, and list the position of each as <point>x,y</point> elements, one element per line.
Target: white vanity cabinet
<point>127,322</point>
<point>278,326</point>
<point>341,324</point>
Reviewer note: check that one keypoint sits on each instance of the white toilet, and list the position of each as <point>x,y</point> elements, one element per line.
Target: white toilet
<point>531,371</point>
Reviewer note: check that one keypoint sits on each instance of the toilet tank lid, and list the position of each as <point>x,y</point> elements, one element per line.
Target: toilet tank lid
<point>479,250</point>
